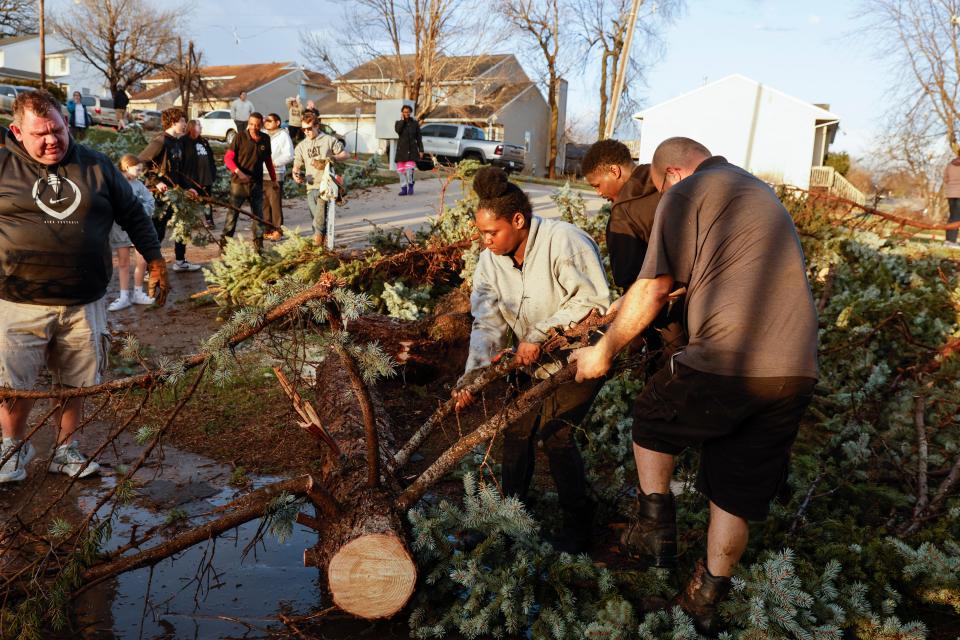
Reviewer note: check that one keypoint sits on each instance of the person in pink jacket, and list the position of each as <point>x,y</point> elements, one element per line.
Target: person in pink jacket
<point>951,189</point>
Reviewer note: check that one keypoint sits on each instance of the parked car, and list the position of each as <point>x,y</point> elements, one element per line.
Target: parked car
<point>146,118</point>
<point>455,142</point>
<point>219,125</point>
<point>101,111</point>
<point>8,93</point>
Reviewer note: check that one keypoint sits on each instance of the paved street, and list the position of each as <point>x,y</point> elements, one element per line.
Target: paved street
<point>383,207</point>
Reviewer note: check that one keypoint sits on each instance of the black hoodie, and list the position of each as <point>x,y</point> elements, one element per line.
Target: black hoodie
<point>628,230</point>
<point>55,222</point>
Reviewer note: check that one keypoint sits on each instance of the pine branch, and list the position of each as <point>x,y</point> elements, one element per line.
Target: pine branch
<point>922,454</point>
<point>321,290</point>
<point>565,339</point>
<point>524,403</point>
<point>310,420</point>
<point>249,507</point>
<point>362,393</point>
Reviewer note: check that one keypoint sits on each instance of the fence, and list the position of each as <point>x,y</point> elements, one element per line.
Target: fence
<point>830,180</point>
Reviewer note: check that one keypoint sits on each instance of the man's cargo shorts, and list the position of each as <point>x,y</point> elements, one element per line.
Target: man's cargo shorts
<point>70,340</point>
<point>743,426</point>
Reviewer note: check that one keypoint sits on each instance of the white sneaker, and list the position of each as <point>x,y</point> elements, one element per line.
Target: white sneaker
<point>185,265</point>
<point>951,245</point>
<point>120,303</point>
<point>139,297</point>
<point>68,459</point>
<point>15,469</point>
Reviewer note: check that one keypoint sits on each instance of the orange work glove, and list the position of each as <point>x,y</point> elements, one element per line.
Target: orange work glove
<point>157,285</point>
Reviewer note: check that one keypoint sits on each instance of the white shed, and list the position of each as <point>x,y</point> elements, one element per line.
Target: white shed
<point>771,134</point>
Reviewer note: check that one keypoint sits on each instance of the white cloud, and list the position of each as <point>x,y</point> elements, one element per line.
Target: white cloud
<point>814,19</point>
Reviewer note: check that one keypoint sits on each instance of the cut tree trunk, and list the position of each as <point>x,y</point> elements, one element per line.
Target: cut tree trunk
<point>363,551</point>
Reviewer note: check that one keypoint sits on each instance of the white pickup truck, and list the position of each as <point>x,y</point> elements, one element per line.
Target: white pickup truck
<point>456,142</point>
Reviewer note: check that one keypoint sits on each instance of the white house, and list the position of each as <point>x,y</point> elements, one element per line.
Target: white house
<point>491,91</point>
<point>771,134</point>
<point>64,65</point>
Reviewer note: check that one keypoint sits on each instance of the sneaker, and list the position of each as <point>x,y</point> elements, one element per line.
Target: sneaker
<point>951,245</point>
<point>120,303</point>
<point>68,459</point>
<point>139,297</point>
<point>15,469</point>
<point>185,265</point>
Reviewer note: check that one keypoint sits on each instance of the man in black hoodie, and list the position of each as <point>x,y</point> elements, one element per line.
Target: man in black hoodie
<point>610,170</point>
<point>164,160</point>
<point>58,202</point>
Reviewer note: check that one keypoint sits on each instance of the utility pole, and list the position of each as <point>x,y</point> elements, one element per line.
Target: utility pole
<point>621,71</point>
<point>43,51</point>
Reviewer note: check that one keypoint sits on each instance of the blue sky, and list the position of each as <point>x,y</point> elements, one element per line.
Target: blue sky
<point>807,49</point>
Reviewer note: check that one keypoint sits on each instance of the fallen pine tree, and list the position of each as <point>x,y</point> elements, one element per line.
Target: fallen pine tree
<point>869,525</point>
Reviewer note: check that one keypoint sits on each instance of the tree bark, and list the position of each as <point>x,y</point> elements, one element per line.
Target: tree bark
<point>369,571</point>
<point>524,403</point>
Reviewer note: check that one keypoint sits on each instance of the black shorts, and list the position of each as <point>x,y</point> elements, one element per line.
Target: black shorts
<point>743,426</point>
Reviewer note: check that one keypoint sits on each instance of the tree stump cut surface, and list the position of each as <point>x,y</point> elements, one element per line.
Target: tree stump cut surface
<point>372,576</point>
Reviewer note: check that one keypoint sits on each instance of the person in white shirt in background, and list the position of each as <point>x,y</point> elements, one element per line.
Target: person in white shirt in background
<point>240,110</point>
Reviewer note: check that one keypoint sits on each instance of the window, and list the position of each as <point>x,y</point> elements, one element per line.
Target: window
<point>473,133</point>
<point>446,130</point>
<point>7,90</point>
<point>440,130</point>
<point>372,91</point>
<point>58,65</point>
<point>106,103</point>
<point>88,101</point>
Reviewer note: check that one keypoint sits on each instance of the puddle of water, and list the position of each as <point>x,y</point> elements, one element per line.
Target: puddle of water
<point>236,597</point>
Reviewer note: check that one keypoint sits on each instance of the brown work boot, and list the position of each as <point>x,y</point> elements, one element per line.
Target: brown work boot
<point>319,240</point>
<point>652,537</point>
<point>702,597</point>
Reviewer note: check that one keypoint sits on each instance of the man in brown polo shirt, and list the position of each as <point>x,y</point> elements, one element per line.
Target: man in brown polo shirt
<point>739,388</point>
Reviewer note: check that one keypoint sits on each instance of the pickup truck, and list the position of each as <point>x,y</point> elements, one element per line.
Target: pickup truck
<point>456,142</point>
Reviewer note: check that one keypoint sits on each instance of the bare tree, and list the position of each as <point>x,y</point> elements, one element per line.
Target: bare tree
<point>420,35</point>
<point>539,21</point>
<point>186,72</point>
<point>604,25</point>
<point>911,161</point>
<point>17,17</point>
<point>126,40</point>
<point>920,38</point>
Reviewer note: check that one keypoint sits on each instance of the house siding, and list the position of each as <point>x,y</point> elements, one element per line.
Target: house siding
<point>756,127</point>
<point>528,113</point>
<point>25,56</point>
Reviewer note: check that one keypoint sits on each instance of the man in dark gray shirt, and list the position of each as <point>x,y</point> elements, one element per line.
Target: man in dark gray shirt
<point>740,387</point>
